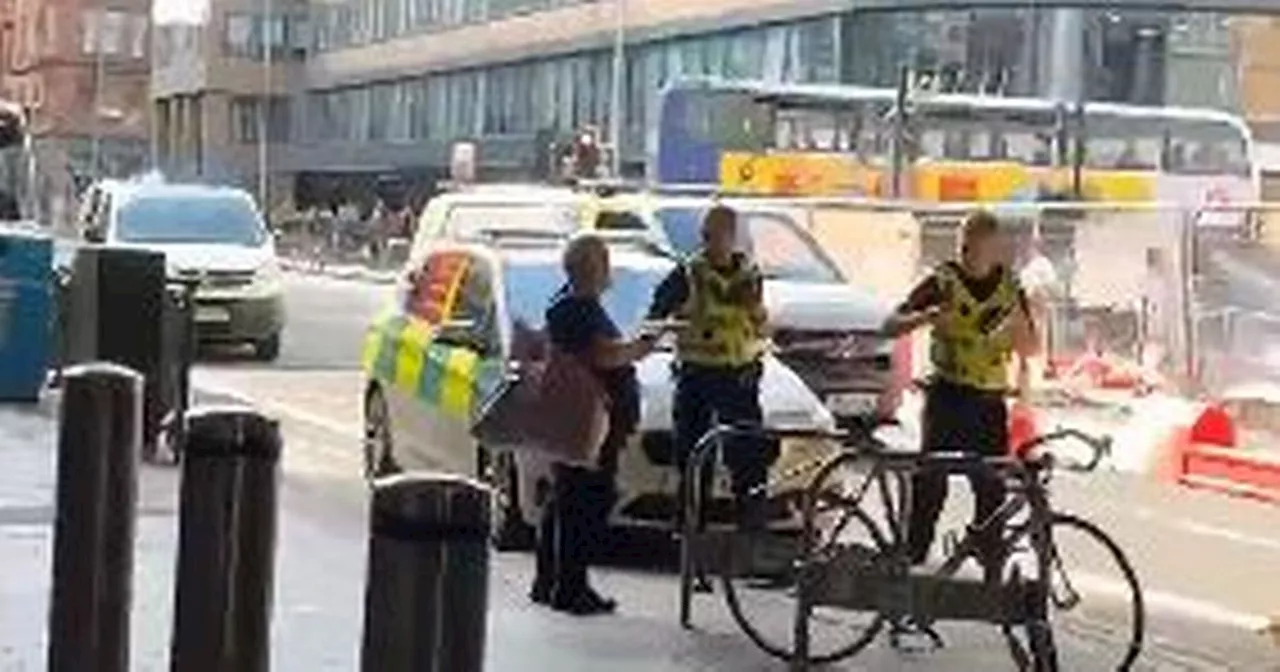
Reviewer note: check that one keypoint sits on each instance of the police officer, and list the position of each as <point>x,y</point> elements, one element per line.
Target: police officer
<point>718,292</point>
<point>980,318</point>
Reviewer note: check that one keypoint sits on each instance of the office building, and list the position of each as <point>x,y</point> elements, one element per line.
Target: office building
<point>388,86</point>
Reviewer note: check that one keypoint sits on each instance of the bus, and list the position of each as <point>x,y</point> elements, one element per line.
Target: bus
<point>15,164</point>
<point>810,140</point>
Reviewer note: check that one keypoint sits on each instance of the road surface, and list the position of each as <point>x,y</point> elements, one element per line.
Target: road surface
<point>1209,564</point>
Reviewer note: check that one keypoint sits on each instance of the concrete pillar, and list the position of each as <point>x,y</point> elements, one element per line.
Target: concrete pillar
<point>1066,55</point>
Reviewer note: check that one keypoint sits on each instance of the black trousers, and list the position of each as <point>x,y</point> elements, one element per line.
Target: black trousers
<point>962,419</point>
<point>575,518</point>
<point>705,395</point>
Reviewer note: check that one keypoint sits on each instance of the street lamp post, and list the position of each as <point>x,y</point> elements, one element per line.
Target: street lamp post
<point>619,72</point>
<point>264,108</point>
<point>99,82</point>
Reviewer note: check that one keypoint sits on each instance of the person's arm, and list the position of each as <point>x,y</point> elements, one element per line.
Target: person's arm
<point>670,295</point>
<point>1026,335</point>
<point>611,353</point>
<point>922,306</point>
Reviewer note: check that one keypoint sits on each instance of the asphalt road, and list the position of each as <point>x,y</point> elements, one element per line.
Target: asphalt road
<point>1207,563</point>
<point>326,320</point>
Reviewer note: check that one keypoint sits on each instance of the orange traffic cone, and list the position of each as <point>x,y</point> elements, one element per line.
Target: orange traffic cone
<point>1214,427</point>
<point>1022,427</point>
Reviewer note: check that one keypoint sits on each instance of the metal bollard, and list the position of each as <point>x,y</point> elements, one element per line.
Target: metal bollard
<point>226,542</point>
<point>426,593</point>
<point>99,437</point>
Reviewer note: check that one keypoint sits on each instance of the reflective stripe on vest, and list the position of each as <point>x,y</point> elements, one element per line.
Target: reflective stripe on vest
<point>961,351</point>
<point>721,330</point>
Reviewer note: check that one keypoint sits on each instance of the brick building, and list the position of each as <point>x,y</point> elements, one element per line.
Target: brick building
<point>80,68</point>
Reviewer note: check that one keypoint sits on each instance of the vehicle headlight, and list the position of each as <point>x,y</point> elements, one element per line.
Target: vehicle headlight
<point>268,275</point>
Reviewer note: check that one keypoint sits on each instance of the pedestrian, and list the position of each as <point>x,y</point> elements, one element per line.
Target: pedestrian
<point>576,517</point>
<point>718,293</point>
<point>1039,279</point>
<point>980,318</point>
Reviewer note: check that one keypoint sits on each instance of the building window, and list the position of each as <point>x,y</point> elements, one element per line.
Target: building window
<point>246,119</point>
<point>287,35</point>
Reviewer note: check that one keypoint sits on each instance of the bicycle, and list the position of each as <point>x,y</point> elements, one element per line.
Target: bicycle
<point>875,575</point>
<point>768,565</point>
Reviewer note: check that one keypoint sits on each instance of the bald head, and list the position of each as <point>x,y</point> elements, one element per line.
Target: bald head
<point>719,230</point>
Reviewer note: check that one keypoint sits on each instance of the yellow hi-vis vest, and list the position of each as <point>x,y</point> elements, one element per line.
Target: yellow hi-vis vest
<point>721,329</point>
<point>964,350</point>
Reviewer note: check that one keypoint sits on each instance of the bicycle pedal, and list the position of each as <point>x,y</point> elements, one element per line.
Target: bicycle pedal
<point>702,585</point>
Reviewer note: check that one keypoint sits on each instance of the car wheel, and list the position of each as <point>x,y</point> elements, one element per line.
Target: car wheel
<point>379,455</point>
<point>268,349</point>
<point>510,531</point>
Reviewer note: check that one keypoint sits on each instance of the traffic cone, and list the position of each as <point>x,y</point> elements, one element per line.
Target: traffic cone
<point>1022,427</point>
<point>1214,427</point>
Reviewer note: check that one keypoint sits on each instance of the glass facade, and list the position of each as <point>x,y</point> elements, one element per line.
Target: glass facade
<point>565,92</point>
<point>354,23</point>
<point>1131,57</point>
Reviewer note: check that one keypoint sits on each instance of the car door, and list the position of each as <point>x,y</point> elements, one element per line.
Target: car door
<point>433,361</point>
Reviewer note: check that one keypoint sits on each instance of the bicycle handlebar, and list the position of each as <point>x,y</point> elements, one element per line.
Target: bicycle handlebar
<point>1101,446</point>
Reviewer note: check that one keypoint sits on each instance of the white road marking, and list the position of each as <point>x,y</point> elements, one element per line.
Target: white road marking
<point>1201,529</point>
<point>1172,604</point>
<point>203,381</point>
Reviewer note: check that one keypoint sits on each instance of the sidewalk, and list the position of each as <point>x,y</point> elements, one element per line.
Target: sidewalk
<point>320,575</point>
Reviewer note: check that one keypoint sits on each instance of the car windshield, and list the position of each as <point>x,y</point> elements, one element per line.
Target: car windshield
<point>225,220</point>
<point>772,239</point>
<point>530,286</point>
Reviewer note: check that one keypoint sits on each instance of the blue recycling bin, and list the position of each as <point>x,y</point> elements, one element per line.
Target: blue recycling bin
<point>26,304</point>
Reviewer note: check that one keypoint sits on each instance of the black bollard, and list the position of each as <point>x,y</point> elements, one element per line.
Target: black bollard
<point>99,437</point>
<point>426,593</point>
<point>226,542</point>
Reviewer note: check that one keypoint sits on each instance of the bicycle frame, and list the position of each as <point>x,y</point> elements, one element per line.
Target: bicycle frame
<point>1029,494</point>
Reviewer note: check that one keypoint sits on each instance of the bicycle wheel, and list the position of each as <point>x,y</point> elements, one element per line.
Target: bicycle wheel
<point>1096,607</point>
<point>764,605</point>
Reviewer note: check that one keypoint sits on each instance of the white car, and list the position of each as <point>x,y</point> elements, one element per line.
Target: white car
<point>212,236</point>
<point>432,361</point>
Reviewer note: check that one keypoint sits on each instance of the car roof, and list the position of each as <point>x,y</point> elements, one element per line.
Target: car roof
<point>513,194</point>
<point>620,255</point>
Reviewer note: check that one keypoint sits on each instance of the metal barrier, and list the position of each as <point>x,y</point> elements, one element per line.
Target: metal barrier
<point>727,552</point>
<point>426,595</point>
<point>99,435</point>
<point>853,577</point>
<point>226,543</point>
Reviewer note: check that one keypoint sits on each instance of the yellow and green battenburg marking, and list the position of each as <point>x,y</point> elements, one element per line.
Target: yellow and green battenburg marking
<point>400,352</point>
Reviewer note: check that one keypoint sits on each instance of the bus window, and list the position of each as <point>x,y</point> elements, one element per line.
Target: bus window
<point>1207,148</point>
<point>732,121</point>
<point>1123,143</point>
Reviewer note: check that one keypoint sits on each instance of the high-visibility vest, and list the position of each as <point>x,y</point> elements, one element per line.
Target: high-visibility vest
<point>722,329</point>
<point>968,347</point>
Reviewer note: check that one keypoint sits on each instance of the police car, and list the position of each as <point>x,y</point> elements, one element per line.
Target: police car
<point>466,311</point>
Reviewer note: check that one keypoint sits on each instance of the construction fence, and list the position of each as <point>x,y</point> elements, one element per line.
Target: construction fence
<point>1129,295</point>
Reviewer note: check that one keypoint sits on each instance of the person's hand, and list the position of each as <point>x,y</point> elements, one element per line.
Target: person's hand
<point>646,343</point>
<point>933,316</point>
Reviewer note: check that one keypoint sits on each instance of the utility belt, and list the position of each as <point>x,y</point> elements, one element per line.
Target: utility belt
<point>748,373</point>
